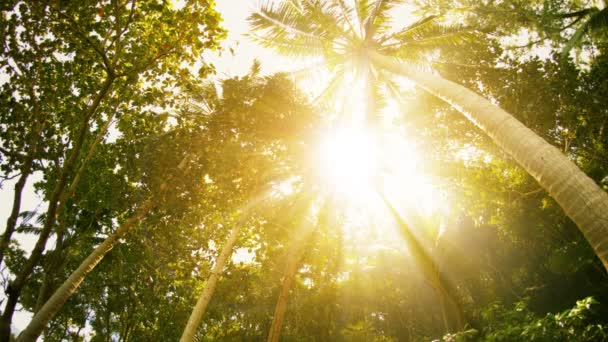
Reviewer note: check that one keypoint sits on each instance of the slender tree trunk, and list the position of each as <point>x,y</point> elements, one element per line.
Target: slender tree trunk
<point>11,222</point>
<point>450,310</point>
<point>26,170</point>
<point>289,273</point>
<point>281,306</point>
<point>46,288</point>
<point>54,304</point>
<point>578,195</point>
<point>295,252</point>
<point>201,305</point>
<point>14,288</point>
<point>444,311</point>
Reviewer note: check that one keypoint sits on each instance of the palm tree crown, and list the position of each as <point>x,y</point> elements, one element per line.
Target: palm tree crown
<point>359,35</point>
<point>345,34</point>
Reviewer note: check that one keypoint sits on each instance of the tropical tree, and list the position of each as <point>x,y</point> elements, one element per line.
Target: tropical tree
<point>362,33</point>
<point>84,63</point>
<point>299,240</point>
<point>251,119</point>
<point>590,22</point>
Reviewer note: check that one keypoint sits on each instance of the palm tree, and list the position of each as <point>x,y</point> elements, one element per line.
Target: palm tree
<point>595,20</point>
<point>360,35</point>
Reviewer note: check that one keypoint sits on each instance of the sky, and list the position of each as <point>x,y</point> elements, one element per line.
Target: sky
<point>235,13</point>
<point>227,64</point>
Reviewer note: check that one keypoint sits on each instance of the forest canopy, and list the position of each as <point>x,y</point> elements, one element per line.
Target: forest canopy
<point>410,170</point>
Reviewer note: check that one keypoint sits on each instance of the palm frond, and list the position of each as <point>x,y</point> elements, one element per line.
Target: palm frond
<point>289,47</point>
<point>298,28</point>
<point>433,39</point>
<point>392,87</point>
<point>28,229</point>
<point>415,29</point>
<point>27,216</point>
<point>428,29</point>
<point>284,21</point>
<point>599,20</point>
<point>346,13</point>
<point>379,16</point>
<point>376,98</point>
<point>576,39</point>
<point>256,68</point>
<point>362,9</point>
<point>328,94</point>
<point>328,17</point>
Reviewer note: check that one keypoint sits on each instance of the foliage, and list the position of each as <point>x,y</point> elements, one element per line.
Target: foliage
<point>583,322</point>
<point>515,261</point>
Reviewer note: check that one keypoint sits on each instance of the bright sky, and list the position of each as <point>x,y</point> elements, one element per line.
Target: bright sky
<point>235,13</point>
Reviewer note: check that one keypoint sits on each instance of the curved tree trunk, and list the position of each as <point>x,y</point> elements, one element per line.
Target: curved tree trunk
<point>47,288</point>
<point>201,305</point>
<point>54,304</point>
<point>14,288</point>
<point>578,195</point>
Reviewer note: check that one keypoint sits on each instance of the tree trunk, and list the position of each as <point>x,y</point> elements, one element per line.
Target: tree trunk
<point>54,304</point>
<point>26,170</point>
<point>281,307</point>
<point>288,275</point>
<point>46,288</point>
<point>295,251</point>
<point>11,222</point>
<point>201,305</point>
<point>450,310</point>
<point>578,195</point>
<point>14,288</point>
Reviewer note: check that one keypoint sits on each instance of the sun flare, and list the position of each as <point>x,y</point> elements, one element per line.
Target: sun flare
<point>349,160</point>
<point>359,165</point>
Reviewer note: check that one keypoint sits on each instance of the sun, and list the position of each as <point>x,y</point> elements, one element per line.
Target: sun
<point>358,165</point>
<point>349,161</point>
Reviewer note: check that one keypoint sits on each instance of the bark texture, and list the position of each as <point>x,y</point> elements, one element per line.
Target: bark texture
<point>290,271</point>
<point>577,194</point>
<point>54,304</point>
<point>14,288</point>
<point>196,316</point>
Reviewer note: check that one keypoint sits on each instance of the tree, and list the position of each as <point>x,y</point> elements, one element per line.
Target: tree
<point>299,240</point>
<point>341,33</point>
<point>594,23</point>
<point>251,116</point>
<point>102,46</point>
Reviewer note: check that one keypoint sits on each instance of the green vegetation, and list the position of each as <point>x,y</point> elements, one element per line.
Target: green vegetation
<point>437,171</point>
